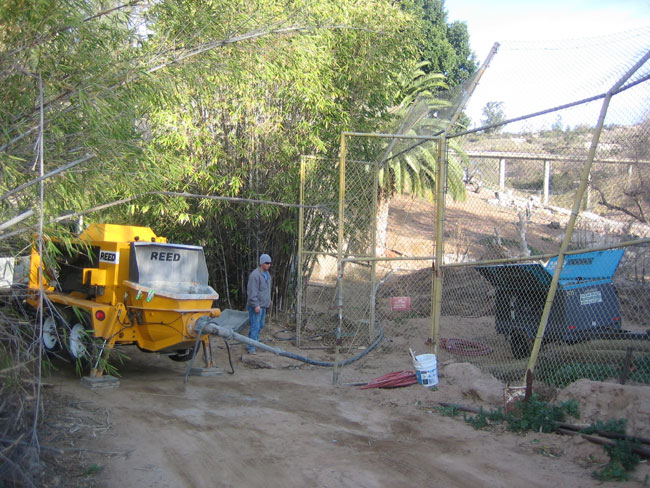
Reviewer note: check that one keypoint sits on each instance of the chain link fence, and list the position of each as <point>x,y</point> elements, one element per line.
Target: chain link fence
<point>542,235</point>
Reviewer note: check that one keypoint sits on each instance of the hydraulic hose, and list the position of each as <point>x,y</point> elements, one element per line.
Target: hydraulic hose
<point>206,326</point>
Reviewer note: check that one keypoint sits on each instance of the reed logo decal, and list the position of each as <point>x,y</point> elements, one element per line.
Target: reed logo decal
<point>109,257</point>
<point>165,256</point>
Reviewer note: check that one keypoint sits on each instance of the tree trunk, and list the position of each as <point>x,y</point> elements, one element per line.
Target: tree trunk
<point>383,206</point>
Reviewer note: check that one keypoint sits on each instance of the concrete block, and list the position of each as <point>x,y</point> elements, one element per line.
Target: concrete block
<point>95,383</point>
<point>206,372</point>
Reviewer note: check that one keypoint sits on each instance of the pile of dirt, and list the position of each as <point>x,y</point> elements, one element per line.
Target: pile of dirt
<point>600,401</point>
<point>464,292</point>
<point>597,401</point>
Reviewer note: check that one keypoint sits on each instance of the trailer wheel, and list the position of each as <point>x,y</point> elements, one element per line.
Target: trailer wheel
<point>82,348</point>
<point>182,355</point>
<point>520,345</point>
<point>51,338</point>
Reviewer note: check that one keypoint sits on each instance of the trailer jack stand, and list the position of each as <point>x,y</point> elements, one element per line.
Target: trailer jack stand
<point>209,369</point>
<point>206,371</point>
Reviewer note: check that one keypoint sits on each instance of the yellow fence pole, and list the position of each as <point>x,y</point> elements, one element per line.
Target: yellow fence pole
<point>436,282</point>
<point>584,181</point>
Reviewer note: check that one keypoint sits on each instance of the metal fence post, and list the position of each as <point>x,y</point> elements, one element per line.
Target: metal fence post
<point>301,228</point>
<point>436,282</point>
<point>582,189</point>
<point>339,258</point>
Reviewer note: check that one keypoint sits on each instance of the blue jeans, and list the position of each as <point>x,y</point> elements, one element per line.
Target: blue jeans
<point>256,324</point>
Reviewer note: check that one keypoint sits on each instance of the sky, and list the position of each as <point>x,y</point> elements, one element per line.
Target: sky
<point>520,20</point>
<point>507,21</point>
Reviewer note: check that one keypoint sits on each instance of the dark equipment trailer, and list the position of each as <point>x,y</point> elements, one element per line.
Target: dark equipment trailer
<point>585,304</point>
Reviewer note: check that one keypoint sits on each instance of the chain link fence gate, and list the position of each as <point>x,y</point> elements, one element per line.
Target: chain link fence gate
<point>521,200</point>
<point>350,265</point>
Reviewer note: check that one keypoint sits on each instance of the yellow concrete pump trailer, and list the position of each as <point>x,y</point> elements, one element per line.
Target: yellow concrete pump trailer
<point>117,284</point>
<point>123,285</point>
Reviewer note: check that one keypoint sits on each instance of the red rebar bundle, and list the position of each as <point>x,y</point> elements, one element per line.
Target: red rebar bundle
<point>395,379</point>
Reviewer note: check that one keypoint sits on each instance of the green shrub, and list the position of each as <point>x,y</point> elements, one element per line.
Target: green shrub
<point>568,373</point>
<point>535,415</point>
<point>622,460</point>
<point>641,371</point>
<point>540,416</point>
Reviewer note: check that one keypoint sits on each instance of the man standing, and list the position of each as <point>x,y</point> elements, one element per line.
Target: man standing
<point>258,292</point>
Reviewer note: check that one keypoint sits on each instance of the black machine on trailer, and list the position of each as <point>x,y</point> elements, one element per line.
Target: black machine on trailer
<point>585,304</point>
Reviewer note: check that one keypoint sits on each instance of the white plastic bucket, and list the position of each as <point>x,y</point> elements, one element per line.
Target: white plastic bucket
<point>426,369</point>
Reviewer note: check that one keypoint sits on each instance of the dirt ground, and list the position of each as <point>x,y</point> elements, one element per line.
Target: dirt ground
<point>280,422</point>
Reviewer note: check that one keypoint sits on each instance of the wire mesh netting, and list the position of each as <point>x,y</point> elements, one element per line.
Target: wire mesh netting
<point>593,330</point>
<point>543,232</point>
<point>316,297</point>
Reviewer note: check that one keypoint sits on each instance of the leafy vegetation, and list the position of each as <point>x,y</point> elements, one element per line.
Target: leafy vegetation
<point>533,415</point>
<point>641,370</point>
<point>493,114</point>
<point>561,376</point>
<point>146,101</point>
<point>540,416</point>
<point>411,165</point>
<point>444,46</point>
<point>622,458</point>
<point>191,118</point>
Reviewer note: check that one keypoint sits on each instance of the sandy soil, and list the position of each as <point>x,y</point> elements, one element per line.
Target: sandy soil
<point>280,422</point>
<point>285,425</point>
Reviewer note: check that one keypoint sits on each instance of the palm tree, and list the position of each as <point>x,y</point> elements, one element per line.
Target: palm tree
<point>409,166</point>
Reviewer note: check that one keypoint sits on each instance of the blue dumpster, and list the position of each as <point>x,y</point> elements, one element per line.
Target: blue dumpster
<point>585,304</point>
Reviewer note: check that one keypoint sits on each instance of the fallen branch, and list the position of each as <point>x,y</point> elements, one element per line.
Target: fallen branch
<point>568,429</point>
<point>13,444</point>
<point>63,450</point>
<point>16,366</point>
<point>603,433</point>
<point>641,451</point>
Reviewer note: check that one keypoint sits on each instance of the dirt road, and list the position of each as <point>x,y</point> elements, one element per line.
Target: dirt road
<point>289,427</point>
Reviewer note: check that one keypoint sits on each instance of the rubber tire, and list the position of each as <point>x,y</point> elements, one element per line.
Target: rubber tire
<point>81,345</point>
<point>51,335</point>
<point>520,345</point>
<point>182,355</point>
